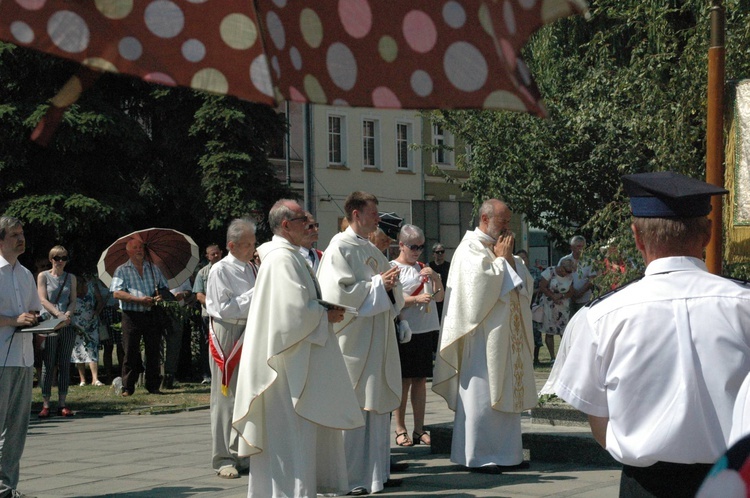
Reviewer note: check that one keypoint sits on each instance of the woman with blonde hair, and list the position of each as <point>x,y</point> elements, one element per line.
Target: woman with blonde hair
<point>56,289</point>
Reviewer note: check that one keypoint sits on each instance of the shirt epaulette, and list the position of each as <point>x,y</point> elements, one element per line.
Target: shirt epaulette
<point>746,283</point>
<point>613,291</point>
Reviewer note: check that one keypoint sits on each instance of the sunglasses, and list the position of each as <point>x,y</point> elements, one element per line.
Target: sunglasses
<point>312,225</point>
<point>60,258</point>
<point>439,252</point>
<point>415,247</point>
<point>299,218</point>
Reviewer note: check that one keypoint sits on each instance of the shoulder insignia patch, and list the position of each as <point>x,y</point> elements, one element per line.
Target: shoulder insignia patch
<point>610,293</point>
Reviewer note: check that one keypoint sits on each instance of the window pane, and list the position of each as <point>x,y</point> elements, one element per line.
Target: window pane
<point>334,139</point>
<point>402,146</point>
<point>438,140</point>
<point>368,143</point>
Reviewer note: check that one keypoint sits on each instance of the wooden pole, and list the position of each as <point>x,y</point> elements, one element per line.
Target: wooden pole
<point>715,134</point>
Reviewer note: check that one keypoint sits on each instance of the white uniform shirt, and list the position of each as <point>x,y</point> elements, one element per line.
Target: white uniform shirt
<point>17,295</point>
<point>422,318</point>
<point>663,359</point>
<point>229,289</point>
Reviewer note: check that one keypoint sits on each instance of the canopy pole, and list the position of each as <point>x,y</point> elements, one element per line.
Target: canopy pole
<point>715,133</point>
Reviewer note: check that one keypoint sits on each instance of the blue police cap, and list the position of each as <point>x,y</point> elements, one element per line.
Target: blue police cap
<point>666,194</point>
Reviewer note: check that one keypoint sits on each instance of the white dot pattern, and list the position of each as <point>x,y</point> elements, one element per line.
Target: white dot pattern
<point>22,32</point>
<point>130,48</point>
<point>193,50</point>
<point>440,54</point>
<point>164,19</point>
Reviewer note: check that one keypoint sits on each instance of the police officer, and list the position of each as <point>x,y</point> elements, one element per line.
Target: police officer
<point>657,365</point>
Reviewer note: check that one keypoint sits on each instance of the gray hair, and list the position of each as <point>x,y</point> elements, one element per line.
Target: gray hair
<point>280,211</point>
<point>6,223</point>
<point>238,227</point>
<point>437,245</point>
<point>410,233</point>
<point>568,264</point>
<point>487,208</point>
<point>576,239</point>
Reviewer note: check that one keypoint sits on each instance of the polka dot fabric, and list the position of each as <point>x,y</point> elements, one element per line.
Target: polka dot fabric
<point>407,54</point>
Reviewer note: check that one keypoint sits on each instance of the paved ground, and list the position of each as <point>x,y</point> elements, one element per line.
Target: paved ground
<point>138,456</point>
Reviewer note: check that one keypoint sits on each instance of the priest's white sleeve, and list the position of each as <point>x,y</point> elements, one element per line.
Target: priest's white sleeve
<point>377,300</point>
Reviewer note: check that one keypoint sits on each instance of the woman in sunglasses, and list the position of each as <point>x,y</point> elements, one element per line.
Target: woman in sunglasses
<point>421,286</point>
<point>56,289</point>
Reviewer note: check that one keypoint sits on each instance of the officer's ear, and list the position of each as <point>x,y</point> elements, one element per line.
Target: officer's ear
<point>638,240</point>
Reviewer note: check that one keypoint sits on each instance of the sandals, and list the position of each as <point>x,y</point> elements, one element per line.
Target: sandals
<point>229,472</point>
<point>64,412</point>
<point>405,441</point>
<point>44,413</point>
<point>421,438</point>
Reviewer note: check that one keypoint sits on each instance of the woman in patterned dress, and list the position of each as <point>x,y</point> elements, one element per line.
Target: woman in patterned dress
<point>556,288</point>
<point>86,323</point>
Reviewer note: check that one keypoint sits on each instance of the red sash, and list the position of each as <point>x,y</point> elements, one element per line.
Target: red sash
<point>226,364</point>
<point>418,290</point>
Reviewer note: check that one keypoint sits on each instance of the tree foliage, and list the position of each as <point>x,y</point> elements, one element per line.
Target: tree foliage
<point>127,156</point>
<point>626,93</point>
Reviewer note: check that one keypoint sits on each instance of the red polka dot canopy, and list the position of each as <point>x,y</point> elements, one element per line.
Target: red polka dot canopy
<point>415,54</point>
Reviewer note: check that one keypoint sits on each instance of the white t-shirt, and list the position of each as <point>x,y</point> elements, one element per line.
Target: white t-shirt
<point>422,317</point>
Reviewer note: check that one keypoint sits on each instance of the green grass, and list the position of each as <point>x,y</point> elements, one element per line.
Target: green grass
<point>103,400</point>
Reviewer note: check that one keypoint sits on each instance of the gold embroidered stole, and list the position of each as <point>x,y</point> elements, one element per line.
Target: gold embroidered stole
<point>516,349</point>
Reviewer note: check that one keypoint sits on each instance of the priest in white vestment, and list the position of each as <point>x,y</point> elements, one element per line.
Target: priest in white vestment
<point>293,393</point>
<point>354,273</point>
<point>484,368</point>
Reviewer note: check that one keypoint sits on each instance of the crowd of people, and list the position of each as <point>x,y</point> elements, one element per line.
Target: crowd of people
<point>329,346</point>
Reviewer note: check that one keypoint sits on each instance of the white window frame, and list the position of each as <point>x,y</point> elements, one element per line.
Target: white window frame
<point>442,138</point>
<point>403,146</point>
<point>370,143</point>
<point>336,140</point>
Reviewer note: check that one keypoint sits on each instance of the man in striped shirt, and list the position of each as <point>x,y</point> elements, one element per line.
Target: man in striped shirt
<point>135,284</point>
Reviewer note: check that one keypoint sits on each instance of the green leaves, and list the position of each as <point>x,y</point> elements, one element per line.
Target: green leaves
<point>128,155</point>
<point>626,92</point>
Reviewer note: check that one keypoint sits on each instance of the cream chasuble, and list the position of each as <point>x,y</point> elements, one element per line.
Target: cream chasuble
<point>479,300</point>
<point>288,330</point>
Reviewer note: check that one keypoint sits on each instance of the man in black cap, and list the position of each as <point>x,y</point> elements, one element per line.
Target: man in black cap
<point>657,365</point>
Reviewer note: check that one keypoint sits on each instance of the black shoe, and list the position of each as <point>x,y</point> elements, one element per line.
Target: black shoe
<point>499,469</point>
<point>393,483</point>
<point>167,382</point>
<point>399,466</point>
<point>358,491</point>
